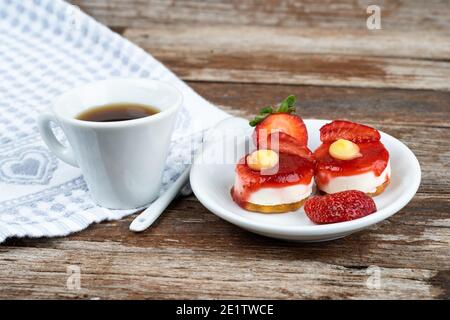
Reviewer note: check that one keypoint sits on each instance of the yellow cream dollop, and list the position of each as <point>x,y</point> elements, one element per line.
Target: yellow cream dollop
<point>262,159</point>
<point>344,150</point>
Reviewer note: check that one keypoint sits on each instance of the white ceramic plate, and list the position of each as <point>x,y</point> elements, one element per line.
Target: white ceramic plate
<point>211,181</point>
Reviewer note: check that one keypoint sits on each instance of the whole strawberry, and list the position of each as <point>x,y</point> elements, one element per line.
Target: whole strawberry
<point>338,207</point>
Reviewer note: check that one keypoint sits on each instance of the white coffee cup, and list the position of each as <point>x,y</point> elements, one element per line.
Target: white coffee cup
<point>123,161</point>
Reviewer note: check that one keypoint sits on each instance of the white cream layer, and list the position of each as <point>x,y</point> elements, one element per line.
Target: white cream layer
<point>277,196</point>
<point>365,182</point>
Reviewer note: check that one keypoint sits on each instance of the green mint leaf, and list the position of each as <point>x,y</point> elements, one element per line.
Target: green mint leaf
<point>266,110</point>
<point>258,119</point>
<point>263,113</point>
<point>291,100</point>
<point>253,123</point>
<point>286,106</point>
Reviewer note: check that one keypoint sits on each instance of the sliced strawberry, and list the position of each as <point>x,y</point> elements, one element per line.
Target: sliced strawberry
<point>339,207</point>
<point>342,129</point>
<point>281,122</point>
<point>283,143</point>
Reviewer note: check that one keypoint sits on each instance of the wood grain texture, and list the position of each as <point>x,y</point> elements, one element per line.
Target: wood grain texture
<point>261,55</point>
<point>419,108</point>
<point>332,15</point>
<point>313,43</point>
<point>243,55</point>
<point>110,270</point>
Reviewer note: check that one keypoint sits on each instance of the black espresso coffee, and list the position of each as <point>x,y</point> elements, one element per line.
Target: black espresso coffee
<point>117,112</point>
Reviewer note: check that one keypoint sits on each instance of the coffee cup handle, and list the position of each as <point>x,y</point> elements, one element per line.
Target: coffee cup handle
<point>64,153</point>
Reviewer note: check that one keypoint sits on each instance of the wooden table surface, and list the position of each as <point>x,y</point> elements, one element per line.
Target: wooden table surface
<point>242,55</point>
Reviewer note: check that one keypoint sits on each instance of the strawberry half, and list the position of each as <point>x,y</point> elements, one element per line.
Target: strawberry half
<point>281,122</point>
<point>338,207</point>
<point>342,129</point>
<point>283,143</point>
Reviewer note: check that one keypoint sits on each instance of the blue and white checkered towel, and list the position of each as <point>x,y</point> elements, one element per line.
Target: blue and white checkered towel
<point>46,48</point>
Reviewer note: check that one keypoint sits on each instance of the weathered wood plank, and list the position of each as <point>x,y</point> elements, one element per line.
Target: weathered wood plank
<point>311,43</point>
<point>110,270</point>
<point>415,108</point>
<point>214,54</point>
<point>334,15</point>
<point>256,40</point>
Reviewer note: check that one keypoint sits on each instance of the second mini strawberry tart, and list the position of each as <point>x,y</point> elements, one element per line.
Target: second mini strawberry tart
<point>351,157</point>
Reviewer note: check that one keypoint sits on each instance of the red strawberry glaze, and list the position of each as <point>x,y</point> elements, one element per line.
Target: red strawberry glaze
<point>292,170</point>
<point>374,158</point>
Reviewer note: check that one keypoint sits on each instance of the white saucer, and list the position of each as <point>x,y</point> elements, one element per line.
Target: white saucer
<point>211,181</point>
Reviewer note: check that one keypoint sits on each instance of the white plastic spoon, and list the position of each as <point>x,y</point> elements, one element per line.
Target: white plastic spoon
<point>149,215</point>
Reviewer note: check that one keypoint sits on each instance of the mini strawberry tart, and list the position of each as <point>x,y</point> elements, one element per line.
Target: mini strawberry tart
<point>351,157</point>
<point>278,176</point>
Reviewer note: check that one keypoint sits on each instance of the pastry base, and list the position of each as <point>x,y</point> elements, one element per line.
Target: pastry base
<point>273,209</point>
<point>380,189</point>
